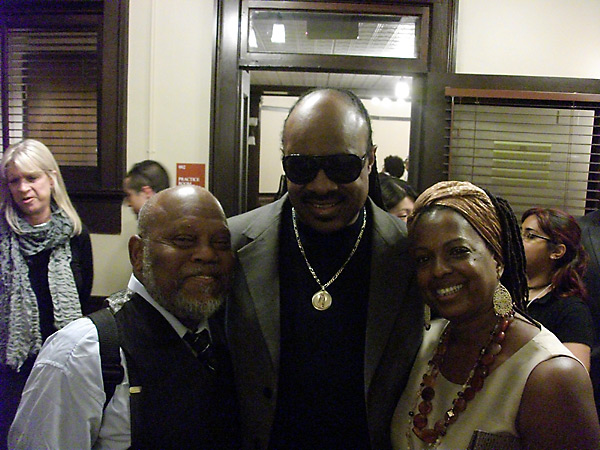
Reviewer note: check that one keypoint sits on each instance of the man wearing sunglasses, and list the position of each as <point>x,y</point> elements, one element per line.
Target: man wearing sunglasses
<point>322,328</point>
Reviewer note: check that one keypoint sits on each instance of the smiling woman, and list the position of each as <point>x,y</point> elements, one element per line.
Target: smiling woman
<point>506,369</point>
<point>45,262</point>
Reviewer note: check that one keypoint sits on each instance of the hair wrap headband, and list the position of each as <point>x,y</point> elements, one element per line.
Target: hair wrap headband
<point>469,201</point>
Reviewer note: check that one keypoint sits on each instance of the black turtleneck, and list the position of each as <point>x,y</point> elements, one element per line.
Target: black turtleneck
<point>321,398</point>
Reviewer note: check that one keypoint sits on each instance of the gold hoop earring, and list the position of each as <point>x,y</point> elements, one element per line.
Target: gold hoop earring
<point>503,304</point>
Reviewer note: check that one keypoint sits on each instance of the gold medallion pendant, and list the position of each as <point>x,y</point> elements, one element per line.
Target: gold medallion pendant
<point>322,300</point>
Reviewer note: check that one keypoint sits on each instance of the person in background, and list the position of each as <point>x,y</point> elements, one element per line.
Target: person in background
<point>406,165</point>
<point>590,239</point>
<point>398,196</point>
<point>182,263</point>
<point>394,166</point>
<point>145,179</point>
<point>556,264</point>
<point>485,373</point>
<point>322,326</point>
<point>46,268</point>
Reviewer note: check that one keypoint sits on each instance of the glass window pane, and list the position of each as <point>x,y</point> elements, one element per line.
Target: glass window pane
<point>318,33</point>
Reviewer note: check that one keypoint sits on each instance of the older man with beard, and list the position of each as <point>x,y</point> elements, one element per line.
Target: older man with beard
<point>182,262</point>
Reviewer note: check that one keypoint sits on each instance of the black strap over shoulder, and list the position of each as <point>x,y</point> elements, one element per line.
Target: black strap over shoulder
<point>110,357</point>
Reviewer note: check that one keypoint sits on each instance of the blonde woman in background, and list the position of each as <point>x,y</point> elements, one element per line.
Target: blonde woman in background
<point>46,269</point>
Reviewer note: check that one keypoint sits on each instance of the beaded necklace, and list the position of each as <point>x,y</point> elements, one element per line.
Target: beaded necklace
<point>418,421</point>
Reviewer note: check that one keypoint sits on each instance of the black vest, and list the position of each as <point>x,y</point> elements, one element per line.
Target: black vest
<point>182,403</point>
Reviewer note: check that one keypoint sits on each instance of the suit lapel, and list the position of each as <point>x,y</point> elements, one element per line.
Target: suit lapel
<point>388,285</point>
<point>259,262</point>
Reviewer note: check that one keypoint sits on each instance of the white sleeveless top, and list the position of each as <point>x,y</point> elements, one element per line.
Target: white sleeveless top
<point>494,409</point>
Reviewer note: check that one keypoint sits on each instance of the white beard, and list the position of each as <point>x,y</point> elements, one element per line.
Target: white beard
<point>182,307</point>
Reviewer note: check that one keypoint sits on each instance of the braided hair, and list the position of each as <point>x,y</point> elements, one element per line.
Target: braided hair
<point>514,277</point>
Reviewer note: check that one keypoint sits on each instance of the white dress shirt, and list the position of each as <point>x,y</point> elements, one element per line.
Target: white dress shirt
<point>62,403</point>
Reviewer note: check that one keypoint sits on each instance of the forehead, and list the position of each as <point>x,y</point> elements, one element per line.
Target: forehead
<point>405,204</point>
<point>189,225</point>
<point>27,162</point>
<point>325,123</point>
<point>530,222</point>
<point>17,168</point>
<point>438,226</point>
<point>194,216</point>
<point>131,192</point>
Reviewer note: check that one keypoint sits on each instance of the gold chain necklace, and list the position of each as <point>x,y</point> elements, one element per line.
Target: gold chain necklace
<point>322,299</point>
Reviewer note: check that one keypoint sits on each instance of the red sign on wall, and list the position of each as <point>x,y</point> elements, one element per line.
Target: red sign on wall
<point>191,174</point>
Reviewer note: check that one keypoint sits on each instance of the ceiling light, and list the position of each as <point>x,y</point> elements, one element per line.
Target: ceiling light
<point>402,90</point>
<point>278,35</point>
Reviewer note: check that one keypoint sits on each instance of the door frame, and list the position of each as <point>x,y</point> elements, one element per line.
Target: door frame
<point>226,160</point>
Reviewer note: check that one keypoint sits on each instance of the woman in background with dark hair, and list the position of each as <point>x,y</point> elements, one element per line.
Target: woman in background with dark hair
<point>398,196</point>
<point>556,263</point>
<point>393,166</point>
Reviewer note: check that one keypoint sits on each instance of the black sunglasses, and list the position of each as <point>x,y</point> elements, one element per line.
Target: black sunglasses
<point>343,168</point>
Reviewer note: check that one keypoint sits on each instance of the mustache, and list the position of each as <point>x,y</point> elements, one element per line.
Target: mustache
<point>329,197</point>
<point>204,273</point>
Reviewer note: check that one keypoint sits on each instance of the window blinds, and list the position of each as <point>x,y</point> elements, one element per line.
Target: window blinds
<point>50,90</point>
<point>532,148</point>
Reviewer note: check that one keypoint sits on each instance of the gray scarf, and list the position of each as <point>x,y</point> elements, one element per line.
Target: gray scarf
<point>20,334</point>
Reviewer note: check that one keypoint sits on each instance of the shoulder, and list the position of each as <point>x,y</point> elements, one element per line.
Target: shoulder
<point>553,363</point>
<point>559,394</point>
<point>269,210</point>
<point>70,346</point>
<point>253,223</point>
<point>560,304</point>
<point>82,239</point>
<point>568,309</point>
<point>65,388</point>
<point>575,304</point>
<point>590,219</point>
<point>74,353</point>
<point>391,229</point>
<point>559,373</point>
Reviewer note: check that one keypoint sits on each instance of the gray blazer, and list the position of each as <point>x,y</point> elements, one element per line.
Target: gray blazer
<point>590,239</point>
<point>394,323</point>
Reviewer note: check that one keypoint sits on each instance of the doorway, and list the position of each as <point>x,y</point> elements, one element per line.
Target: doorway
<point>315,47</point>
<point>387,99</point>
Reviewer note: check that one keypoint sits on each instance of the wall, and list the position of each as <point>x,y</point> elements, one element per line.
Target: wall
<point>170,78</point>
<point>168,107</point>
<point>554,38</point>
